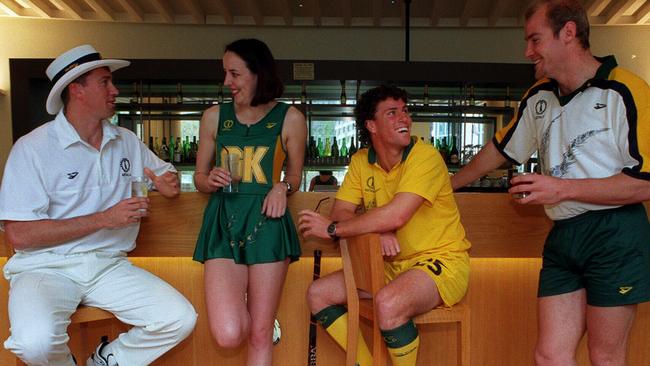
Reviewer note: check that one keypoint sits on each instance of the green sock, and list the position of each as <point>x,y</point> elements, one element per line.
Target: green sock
<point>402,343</point>
<point>335,321</point>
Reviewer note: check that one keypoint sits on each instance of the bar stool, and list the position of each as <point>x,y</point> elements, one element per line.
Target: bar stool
<point>363,268</point>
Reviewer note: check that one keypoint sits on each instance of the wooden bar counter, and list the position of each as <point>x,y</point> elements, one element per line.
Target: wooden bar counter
<point>507,241</point>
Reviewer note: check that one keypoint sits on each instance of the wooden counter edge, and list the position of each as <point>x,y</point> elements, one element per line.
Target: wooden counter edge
<point>494,223</point>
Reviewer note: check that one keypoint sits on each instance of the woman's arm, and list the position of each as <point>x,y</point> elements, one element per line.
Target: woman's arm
<point>207,177</point>
<point>294,137</point>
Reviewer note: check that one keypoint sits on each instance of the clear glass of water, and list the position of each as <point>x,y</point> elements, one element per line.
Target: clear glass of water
<point>233,163</point>
<point>139,187</point>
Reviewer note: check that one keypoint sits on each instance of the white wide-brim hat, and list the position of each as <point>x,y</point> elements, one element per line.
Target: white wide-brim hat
<point>69,66</point>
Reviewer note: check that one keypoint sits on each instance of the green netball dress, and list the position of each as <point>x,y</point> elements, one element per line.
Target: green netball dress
<point>233,225</point>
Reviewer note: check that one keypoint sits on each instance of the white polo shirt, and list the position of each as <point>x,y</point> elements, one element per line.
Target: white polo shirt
<point>52,174</point>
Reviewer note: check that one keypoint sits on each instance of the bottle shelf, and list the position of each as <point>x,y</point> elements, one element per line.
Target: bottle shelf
<point>337,167</point>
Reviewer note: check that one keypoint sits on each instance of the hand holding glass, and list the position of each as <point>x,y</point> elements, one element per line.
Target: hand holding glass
<point>520,195</point>
<point>139,188</point>
<point>232,165</point>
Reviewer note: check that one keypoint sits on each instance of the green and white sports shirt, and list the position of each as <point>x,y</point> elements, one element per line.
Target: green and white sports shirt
<point>599,130</point>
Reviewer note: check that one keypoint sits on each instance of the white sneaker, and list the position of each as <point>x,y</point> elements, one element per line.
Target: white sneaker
<point>277,332</point>
<point>98,359</point>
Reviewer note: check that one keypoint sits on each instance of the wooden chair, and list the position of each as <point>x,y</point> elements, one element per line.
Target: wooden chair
<point>363,268</point>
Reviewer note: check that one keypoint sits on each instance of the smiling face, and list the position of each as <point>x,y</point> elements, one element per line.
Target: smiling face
<point>96,93</point>
<point>545,50</point>
<point>391,125</point>
<point>239,79</point>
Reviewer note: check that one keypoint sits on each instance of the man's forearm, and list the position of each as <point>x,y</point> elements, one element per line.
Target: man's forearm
<point>43,233</point>
<point>488,159</point>
<point>382,219</point>
<point>374,221</point>
<point>619,189</point>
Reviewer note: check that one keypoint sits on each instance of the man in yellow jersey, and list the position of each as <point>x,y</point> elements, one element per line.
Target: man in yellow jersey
<point>404,189</point>
<point>589,121</point>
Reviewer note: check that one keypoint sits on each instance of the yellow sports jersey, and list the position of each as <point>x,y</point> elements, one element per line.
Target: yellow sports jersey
<point>436,224</point>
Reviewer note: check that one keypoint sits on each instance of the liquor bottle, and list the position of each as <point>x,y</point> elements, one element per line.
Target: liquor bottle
<point>186,149</point>
<point>321,150</point>
<point>172,149</point>
<point>178,153</point>
<point>164,150</point>
<point>193,150</point>
<point>156,146</point>
<point>454,157</point>
<point>344,98</point>
<point>353,147</point>
<point>328,148</point>
<point>312,153</point>
<point>335,151</point>
<point>444,149</point>
<point>344,150</point>
<point>303,94</point>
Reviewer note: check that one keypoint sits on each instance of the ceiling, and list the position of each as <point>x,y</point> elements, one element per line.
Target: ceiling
<point>316,13</point>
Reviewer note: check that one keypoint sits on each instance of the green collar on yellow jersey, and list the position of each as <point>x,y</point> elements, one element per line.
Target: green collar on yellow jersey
<point>372,154</point>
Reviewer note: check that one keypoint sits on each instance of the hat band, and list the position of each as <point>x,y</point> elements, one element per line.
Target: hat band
<point>81,60</point>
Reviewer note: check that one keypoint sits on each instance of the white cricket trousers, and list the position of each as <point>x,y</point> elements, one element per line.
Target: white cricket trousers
<point>45,289</point>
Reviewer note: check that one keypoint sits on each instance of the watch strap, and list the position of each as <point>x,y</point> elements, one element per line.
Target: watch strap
<point>287,184</point>
<point>331,231</point>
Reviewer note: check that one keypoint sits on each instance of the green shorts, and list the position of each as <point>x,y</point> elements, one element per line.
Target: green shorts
<point>605,252</point>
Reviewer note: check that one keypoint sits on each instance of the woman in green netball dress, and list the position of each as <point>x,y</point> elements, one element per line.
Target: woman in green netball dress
<point>248,238</point>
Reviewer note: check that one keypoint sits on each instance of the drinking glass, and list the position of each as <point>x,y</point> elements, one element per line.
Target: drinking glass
<point>520,195</point>
<point>232,165</point>
<point>139,188</point>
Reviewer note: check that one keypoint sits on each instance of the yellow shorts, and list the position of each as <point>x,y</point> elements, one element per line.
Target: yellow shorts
<point>449,270</point>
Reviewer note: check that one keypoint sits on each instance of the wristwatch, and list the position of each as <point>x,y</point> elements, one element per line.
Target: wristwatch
<point>331,231</point>
<point>287,184</point>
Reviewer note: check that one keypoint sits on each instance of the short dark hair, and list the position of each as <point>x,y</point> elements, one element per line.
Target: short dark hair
<point>367,107</point>
<point>260,62</point>
<point>559,12</point>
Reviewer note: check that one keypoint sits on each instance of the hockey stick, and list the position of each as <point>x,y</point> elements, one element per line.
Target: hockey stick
<point>311,359</point>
